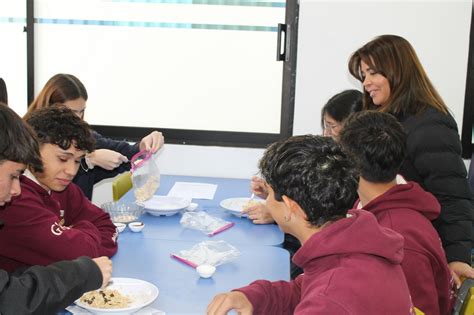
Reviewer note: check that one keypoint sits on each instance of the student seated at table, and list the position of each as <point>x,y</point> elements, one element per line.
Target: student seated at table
<point>377,142</point>
<point>338,109</point>
<point>351,264</point>
<point>52,220</point>
<point>110,156</point>
<point>333,114</point>
<point>38,289</point>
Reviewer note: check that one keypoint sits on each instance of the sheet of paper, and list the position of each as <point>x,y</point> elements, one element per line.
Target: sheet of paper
<point>193,190</point>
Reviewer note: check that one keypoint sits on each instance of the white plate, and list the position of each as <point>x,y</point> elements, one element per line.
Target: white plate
<point>166,205</point>
<point>234,205</point>
<point>163,213</point>
<point>142,292</point>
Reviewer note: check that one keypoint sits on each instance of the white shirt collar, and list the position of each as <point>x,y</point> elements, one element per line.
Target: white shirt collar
<point>400,179</point>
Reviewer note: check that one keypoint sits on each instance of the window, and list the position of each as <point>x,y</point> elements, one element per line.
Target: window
<point>202,72</point>
<point>13,61</point>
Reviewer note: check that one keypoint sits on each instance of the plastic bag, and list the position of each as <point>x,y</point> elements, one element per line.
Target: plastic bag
<point>201,221</point>
<point>145,175</point>
<point>213,253</point>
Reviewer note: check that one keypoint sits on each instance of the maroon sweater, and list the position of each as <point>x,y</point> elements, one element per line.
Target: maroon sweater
<point>409,210</point>
<point>350,267</point>
<point>33,233</point>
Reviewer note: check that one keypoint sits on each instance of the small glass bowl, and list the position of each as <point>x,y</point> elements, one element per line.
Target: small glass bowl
<point>123,212</point>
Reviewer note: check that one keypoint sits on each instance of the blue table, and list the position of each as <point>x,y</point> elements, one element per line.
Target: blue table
<point>182,291</point>
<point>146,255</point>
<point>244,232</point>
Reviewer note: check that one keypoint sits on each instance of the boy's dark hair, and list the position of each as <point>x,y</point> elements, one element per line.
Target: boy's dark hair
<point>59,125</point>
<point>314,172</point>
<point>377,142</point>
<point>342,105</point>
<point>17,140</point>
<point>3,92</point>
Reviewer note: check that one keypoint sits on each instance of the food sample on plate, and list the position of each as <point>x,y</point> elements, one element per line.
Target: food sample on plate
<point>106,298</point>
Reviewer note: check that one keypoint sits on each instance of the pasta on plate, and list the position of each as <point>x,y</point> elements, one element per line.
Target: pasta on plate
<point>106,298</point>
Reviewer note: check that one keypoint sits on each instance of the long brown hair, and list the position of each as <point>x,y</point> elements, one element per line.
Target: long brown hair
<point>393,57</point>
<point>59,89</point>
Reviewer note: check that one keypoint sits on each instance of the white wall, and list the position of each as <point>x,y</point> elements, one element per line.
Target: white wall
<point>329,31</point>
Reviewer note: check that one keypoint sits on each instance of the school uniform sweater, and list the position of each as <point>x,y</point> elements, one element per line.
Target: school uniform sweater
<point>408,209</point>
<point>350,267</point>
<point>42,228</point>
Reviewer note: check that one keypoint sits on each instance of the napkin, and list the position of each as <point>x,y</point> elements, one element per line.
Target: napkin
<point>193,190</point>
<point>76,310</point>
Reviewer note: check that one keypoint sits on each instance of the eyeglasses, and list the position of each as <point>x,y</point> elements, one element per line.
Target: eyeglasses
<point>330,129</point>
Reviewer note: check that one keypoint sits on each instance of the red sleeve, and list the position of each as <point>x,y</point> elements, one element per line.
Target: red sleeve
<point>424,283</point>
<point>279,297</point>
<point>320,304</point>
<point>82,214</point>
<point>32,234</point>
<point>282,297</point>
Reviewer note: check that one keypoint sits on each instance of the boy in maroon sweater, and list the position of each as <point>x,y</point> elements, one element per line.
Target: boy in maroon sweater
<point>52,220</point>
<point>378,143</point>
<point>351,264</point>
<point>38,289</point>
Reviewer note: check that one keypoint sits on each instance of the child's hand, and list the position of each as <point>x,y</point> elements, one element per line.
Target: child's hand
<point>259,214</point>
<point>223,303</point>
<point>460,269</point>
<point>259,187</point>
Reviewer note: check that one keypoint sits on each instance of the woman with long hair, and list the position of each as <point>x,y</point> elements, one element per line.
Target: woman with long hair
<point>395,82</point>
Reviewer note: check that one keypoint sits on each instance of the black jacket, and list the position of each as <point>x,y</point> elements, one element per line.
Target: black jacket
<point>86,178</point>
<point>47,290</point>
<point>434,161</point>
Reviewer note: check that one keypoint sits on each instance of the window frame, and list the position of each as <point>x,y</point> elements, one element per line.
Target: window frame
<point>468,115</point>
